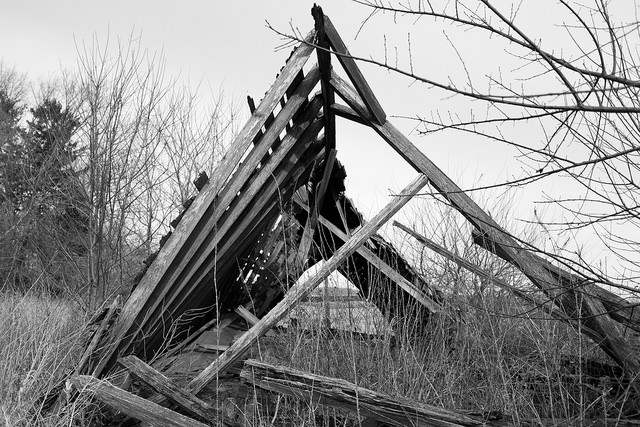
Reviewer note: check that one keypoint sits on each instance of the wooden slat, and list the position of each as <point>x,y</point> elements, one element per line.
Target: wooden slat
<point>206,237</point>
<point>343,394</point>
<point>173,249</point>
<point>168,389</point>
<point>132,405</point>
<point>382,266</point>
<point>317,201</point>
<point>300,291</point>
<point>546,306</point>
<point>242,215</point>
<point>354,73</point>
<point>600,326</point>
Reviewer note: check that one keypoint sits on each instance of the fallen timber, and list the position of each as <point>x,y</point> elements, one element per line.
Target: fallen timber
<point>343,394</point>
<point>276,205</point>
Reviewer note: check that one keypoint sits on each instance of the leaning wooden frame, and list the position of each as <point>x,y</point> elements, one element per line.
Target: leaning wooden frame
<point>234,229</point>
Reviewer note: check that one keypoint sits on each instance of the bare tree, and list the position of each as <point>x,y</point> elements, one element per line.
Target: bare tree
<point>145,138</point>
<point>560,87</point>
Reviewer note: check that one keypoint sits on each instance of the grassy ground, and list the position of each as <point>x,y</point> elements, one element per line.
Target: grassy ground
<point>496,356</point>
<point>39,345</point>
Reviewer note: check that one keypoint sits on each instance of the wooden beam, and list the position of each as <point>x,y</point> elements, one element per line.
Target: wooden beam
<point>618,308</point>
<point>168,389</point>
<point>600,326</point>
<point>132,405</point>
<point>343,394</point>
<point>301,290</point>
<point>546,306</point>
<point>382,266</point>
<point>173,250</point>
<point>353,71</point>
<point>302,133</point>
<point>317,200</point>
<point>324,64</point>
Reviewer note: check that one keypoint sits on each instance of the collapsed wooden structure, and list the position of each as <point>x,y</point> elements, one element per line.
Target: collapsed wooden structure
<point>276,204</point>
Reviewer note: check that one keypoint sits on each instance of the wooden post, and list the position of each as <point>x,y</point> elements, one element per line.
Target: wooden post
<point>301,290</point>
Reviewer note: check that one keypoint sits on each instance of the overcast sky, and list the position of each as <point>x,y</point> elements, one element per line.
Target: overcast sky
<point>227,45</point>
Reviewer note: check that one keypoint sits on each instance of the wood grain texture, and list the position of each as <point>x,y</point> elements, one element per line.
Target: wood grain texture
<point>599,324</point>
<point>382,266</point>
<point>168,388</point>
<point>344,394</point>
<point>301,290</point>
<point>132,405</point>
<point>173,249</point>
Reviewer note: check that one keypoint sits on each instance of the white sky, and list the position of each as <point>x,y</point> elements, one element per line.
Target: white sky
<point>226,44</point>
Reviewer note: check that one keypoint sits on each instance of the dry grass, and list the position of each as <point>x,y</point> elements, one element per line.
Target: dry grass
<point>496,357</point>
<point>39,345</point>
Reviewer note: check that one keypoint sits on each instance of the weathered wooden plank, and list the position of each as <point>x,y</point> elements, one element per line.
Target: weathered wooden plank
<point>600,326</point>
<point>382,266</point>
<point>115,305</point>
<point>301,290</point>
<point>132,405</point>
<point>211,348</point>
<point>340,393</point>
<point>546,306</point>
<point>174,248</point>
<point>247,315</point>
<point>206,237</point>
<point>354,73</point>
<point>168,388</point>
<point>238,220</point>
<point>316,200</point>
<point>324,63</point>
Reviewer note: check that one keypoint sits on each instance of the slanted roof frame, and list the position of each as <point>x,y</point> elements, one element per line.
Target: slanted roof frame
<point>364,108</point>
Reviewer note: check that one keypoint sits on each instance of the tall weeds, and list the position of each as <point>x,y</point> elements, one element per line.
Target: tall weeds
<point>40,342</point>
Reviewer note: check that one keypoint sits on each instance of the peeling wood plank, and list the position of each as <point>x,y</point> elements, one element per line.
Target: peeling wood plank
<point>301,290</point>
<point>340,393</point>
<point>173,249</point>
<point>600,326</point>
<point>168,389</point>
<point>132,405</point>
